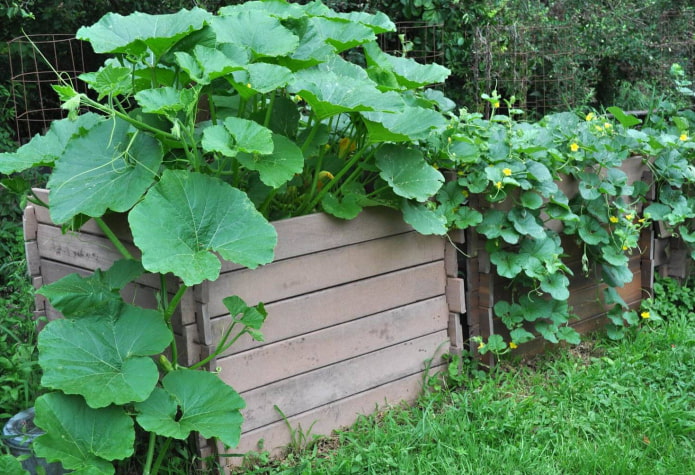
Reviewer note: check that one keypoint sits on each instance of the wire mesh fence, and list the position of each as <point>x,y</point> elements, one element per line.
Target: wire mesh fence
<point>547,68</point>
<point>418,40</point>
<point>37,63</point>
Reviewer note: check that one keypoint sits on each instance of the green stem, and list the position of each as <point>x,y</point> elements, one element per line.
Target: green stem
<point>328,186</point>
<point>312,132</point>
<point>160,456</point>
<point>171,308</point>
<point>266,203</point>
<point>222,347</point>
<point>114,239</point>
<point>268,112</point>
<point>141,125</point>
<point>213,111</point>
<point>147,469</point>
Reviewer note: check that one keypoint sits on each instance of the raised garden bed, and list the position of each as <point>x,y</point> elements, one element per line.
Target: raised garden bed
<point>356,309</point>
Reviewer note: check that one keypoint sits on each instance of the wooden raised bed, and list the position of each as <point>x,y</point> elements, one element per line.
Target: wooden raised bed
<point>355,309</point>
<point>485,288</point>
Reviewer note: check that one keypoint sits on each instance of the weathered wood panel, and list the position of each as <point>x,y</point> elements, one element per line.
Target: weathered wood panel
<point>309,312</point>
<point>269,363</point>
<point>331,383</point>
<point>341,413</point>
<point>291,277</point>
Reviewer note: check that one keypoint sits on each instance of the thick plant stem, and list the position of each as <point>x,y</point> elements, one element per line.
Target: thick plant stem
<point>114,239</point>
<point>160,456</point>
<point>147,469</point>
<point>328,186</point>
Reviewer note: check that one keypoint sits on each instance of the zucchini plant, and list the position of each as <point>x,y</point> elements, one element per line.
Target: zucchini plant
<point>201,128</point>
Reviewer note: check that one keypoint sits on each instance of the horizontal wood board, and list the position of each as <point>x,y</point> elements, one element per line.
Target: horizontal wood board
<point>324,419</point>
<point>331,383</point>
<point>289,318</point>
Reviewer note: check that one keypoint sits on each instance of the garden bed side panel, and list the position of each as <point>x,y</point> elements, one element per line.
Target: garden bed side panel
<point>355,311</point>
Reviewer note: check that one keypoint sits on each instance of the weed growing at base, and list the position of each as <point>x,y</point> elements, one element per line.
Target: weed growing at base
<point>618,407</point>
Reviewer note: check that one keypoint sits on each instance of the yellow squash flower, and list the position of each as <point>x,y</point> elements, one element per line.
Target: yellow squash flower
<point>574,147</point>
<point>496,104</point>
<point>507,172</point>
<point>644,315</point>
<point>683,137</point>
<point>513,345</point>
<point>590,116</point>
<point>498,185</point>
<point>629,217</point>
<point>613,219</point>
<point>607,125</point>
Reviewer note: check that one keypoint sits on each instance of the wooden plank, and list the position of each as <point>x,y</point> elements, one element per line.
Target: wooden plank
<point>80,250</point>
<point>317,232</point>
<point>456,295</point>
<point>270,363</point>
<point>310,312</point>
<point>29,223</point>
<point>451,260</point>
<point>31,251</point>
<point>288,278</point>
<point>455,333</point>
<point>329,417</point>
<point>116,221</point>
<point>331,383</point>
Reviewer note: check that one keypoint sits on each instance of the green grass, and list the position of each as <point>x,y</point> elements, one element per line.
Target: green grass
<point>605,407</point>
<point>19,372</point>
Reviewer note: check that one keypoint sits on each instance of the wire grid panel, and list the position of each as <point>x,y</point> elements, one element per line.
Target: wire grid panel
<point>37,63</point>
<point>673,45</point>
<point>418,40</point>
<point>536,65</point>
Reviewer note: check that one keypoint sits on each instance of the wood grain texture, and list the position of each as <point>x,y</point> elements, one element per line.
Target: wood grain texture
<point>324,385</point>
<point>270,363</point>
<point>336,305</point>
<point>321,270</point>
<point>340,413</point>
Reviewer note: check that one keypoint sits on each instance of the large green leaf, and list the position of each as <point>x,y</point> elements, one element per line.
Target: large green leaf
<point>409,73</point>
<point>278,167</point>
<point>255,30</point>
<point>329,93</point>
<point>193,401</point>
<point>525,222</point>
<point>407,172</point>
<point>77,296</point>
<point>423,219</point>
<point>557,285</point>
<point>187,216</point>
<point>206,64</point>
<point>342,35</point>
<point>261,77</point>
<point>508,264</point>
<point>108,167</point>
<point>104,357</point>
<point>82,438</point>
<point>591,231</point>
<point>410,124</point>
<point>110,80</point>
<point>137,32</point>
<point>237,135</point>
<point>166,100</point>
<point>46,149</point>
